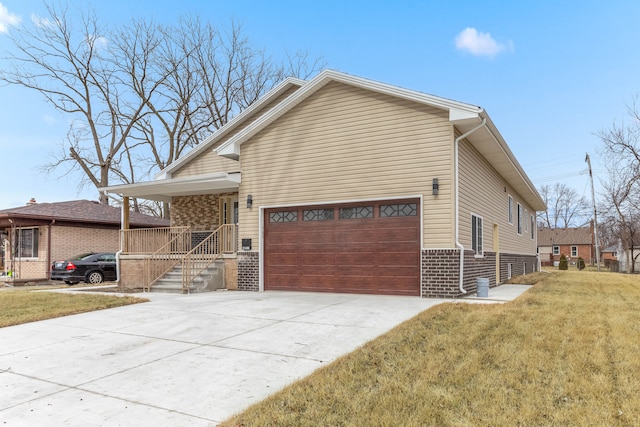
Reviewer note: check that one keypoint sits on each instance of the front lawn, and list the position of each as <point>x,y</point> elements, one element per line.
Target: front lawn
<point>565,353</point>
<point>20,305</point>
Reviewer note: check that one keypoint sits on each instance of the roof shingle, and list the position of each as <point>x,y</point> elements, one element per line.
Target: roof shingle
<point>85,211</point>
<point>564,236</point>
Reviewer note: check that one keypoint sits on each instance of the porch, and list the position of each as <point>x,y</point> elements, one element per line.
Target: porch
<point>182,258</point>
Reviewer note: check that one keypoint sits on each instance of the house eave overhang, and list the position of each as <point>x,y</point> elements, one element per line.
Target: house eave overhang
<point>164,190</point>
<point>491,145</point>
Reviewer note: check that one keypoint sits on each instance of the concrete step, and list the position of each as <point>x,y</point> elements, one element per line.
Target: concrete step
<point>210,279</point>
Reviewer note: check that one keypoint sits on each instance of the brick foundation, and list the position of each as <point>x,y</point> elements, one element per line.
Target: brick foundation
<point>520,264</point>
<point>440,271</point>
<point>248,271</point>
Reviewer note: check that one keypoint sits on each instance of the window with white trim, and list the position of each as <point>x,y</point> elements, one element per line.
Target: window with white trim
<point>533,227</point>
<point>556,250</point>
<point>519,218</point>
<point>574,251</point>
<point>510,210</point>
<point>26,245</point>
<point>476,234</point>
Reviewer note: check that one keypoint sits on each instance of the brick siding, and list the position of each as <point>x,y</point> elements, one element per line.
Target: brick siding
<point>518,265</point>
<point>65,243</point>
<point>440,271</point>
<point>248,271</point>
<point>202,212</point>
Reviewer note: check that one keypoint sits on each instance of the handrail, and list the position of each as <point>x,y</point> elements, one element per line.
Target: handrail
<point>166,257</point>
<point>222,240</point>
<point>147,240</point>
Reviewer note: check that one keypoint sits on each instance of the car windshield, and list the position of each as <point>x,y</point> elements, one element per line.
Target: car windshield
<point>81,257</point>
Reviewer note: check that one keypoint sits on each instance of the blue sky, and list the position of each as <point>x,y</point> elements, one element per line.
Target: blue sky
<point>550,74</point>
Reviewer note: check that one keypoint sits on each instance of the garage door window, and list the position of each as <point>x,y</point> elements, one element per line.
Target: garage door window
<point>400,209</point>
<point>358,212</point>
<point>283,216</point>
<point>318,215</point>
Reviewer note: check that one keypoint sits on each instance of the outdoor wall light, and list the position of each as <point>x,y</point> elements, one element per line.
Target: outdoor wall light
<point>435,187</point>
<point>249,201</point>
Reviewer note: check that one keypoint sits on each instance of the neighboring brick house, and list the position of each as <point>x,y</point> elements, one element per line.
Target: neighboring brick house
<point>573,243</point>
<point>344,184</point>
<point>35,235</point>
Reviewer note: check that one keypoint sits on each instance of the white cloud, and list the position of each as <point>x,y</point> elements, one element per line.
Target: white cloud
<point>7,19</point>
<point>49,119</point>
<point>40,22</point>
<point>480,44</point>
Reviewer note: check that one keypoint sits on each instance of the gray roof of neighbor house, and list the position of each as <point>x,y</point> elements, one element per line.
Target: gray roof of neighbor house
<point>74,212</point>
<point>565,236</point>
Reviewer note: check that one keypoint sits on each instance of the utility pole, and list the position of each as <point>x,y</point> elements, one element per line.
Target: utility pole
<point>595,214</point>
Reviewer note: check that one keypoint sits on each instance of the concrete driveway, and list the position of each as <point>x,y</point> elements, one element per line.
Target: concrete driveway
<point>185,359</point>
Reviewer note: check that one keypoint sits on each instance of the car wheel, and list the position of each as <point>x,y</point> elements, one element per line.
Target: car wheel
<point>94,277</point>
<point>68,282</point>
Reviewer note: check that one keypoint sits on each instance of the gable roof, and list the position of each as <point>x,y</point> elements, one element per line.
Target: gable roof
<point>564,236</point>
<point>485,137</point>
<point>457,110</point>
<point>76,211</point>
<point>245,115</point>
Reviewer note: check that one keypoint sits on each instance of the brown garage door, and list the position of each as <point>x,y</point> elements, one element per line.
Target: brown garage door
<point>358,248</point>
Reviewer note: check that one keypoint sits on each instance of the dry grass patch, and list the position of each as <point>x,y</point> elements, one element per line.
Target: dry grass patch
<point>22,306</point>
<point>565,353</point>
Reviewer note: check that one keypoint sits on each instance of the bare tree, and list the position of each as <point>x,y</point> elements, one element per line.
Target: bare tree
<point>621,187</point>
<point>208,76</point>
<point>141,95</point>
<point>74,70</point>
<point>565,208</point>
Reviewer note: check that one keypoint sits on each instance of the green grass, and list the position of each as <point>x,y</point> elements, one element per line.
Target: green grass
<point>565,353</point>
<point>25,305</point>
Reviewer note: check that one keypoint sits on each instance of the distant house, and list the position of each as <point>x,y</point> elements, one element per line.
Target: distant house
<point>33,236</point>
<point>610,257</point>
<point>573,243</point>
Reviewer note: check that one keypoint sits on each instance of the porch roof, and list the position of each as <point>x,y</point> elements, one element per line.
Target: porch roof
<point>164,189</point>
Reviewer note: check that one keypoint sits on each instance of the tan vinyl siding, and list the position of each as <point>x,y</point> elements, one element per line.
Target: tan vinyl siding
<point>210,162</point>
<point>345,143</point>
<point>483,192</point>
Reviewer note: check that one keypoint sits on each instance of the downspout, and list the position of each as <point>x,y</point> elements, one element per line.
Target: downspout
<point>122,219</point>
<point>53,221</point>
<point>457,201</point>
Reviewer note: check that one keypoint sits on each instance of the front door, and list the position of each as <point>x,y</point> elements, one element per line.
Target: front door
<point>228,209</point>
<point>228,215</point>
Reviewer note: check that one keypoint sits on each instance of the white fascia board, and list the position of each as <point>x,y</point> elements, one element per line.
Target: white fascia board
<point>457,114</point>
<point>158,187</point>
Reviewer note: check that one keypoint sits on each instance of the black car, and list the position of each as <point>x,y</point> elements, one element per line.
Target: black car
<point>89,268</point>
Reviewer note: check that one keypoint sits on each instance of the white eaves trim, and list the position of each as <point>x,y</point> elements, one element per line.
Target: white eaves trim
<point>231,125</point>
<point>457,110</point>
<point>165,189</point>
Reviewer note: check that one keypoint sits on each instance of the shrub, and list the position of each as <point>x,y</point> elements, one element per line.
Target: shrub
<point>581,264</point>
<point>564,265</point>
